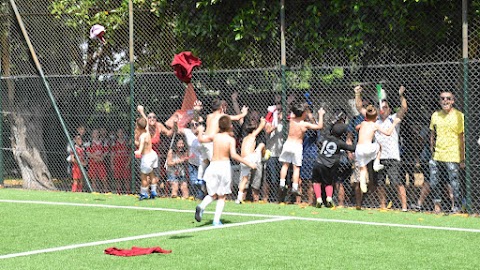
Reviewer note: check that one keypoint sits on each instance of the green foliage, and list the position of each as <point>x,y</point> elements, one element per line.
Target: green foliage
<point>329,79</point>
<point>110,14</point>
<point>299,80</point>
<point>353,26</point>
<point>226,33</point>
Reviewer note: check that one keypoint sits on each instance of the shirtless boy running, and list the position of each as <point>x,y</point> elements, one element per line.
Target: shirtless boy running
<point>218,173</point>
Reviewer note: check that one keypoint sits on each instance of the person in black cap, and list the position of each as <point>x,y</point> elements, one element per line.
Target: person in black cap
<point>326,166</point>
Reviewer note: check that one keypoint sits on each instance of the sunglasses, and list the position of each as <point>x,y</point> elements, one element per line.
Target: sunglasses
<point>446,98</point>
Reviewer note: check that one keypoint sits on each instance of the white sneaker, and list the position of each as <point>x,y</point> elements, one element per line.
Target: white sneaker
<point>237,201</point>
<point>319,202</point>
<point>377,166</point>
<point>330,202</point>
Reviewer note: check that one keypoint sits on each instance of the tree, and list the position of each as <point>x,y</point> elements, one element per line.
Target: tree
<point>27,140</point>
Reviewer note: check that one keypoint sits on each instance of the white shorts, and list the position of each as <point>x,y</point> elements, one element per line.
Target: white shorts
<point>149,162</point>
<point>218,177</point>
<point>364,153</point>
<point>255,157</point>
<point>292,153</point>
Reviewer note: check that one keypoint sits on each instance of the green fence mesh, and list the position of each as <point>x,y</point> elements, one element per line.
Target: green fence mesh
<point>331,47</point>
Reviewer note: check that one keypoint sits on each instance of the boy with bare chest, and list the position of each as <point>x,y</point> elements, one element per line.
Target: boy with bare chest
<point>218,174</point>
<point>293,147</point>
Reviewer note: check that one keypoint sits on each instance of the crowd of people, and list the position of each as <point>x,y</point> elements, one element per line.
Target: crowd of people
<point>322,158</point>
<point>103,156</point>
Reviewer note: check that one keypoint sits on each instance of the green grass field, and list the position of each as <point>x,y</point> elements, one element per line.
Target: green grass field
<point>59,230</point>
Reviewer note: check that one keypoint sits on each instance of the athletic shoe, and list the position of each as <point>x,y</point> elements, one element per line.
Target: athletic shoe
<point>153,195</point>
<point>330,202</point>
<point>389,205</point>
<point>237,201</point>
<point>455,210</point>
<point>216,224</point>
<point>416,207</point>
<point>319,203</point>
<point>377,166</point>
<point>404,210</point>
<point>296,192</point>
<point>198,213</point>
<point>143,196</point>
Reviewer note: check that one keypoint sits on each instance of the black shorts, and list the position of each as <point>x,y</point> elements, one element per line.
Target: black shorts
<point>392,170</point>
<point>323,174</point>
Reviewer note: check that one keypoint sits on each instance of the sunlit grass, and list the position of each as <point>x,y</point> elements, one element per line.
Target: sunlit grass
<point>286,244</point>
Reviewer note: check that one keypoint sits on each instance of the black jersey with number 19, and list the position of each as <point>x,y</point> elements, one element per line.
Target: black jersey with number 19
<point>330,148</point>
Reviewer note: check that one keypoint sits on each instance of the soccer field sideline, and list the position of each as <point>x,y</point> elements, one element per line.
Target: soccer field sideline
<point>269,218</point>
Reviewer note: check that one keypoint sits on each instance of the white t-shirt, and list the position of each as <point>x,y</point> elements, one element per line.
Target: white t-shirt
<point>195,148</point>
<point>275,141</point>
<point>390,144</point>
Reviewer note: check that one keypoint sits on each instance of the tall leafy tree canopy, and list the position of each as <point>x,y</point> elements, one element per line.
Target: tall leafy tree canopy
<point>228,33</point>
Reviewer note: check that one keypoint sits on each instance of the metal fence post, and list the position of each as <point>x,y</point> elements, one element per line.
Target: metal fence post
<point>466,102</point>
<point>132,92</point>
<point>283,67</point>
<point>1,132</point>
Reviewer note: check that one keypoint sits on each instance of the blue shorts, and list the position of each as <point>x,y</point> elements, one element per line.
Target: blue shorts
<point>175,178</point>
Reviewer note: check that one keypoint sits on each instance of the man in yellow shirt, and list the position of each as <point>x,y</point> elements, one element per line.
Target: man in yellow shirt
<point>447,143</point>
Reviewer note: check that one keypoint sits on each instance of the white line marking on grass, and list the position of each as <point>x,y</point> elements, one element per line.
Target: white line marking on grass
<point>254,215</point>
<point>132,208</point>
<point>131,238</point>
<point>388,224</point>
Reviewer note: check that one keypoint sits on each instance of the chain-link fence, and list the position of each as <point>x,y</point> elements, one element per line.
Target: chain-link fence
<point>330,49</point>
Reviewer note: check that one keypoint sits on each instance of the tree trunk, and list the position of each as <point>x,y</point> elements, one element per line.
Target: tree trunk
<point>27,145</point>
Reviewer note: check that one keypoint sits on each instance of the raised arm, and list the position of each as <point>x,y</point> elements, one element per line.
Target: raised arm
<point>201,138</point>
<point>358,100</point>
<point>141,110</point>
<point>165,130</point>
<point>269,128</point>
<point>237,157</point>
<point>260,127</point>
<point>240,116</point>
<point>319,124</point>
<point>236,107</point>
<point>403,103</point>
<point>390,130</point>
